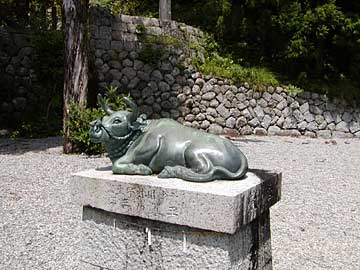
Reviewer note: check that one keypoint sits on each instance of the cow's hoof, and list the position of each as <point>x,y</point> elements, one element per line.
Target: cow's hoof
<point>166,173</point>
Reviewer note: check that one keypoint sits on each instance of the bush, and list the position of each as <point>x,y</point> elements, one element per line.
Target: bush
<point>225,66</point>
<point>151,55</point>
<point>81,116</point>
<point>321,49</point>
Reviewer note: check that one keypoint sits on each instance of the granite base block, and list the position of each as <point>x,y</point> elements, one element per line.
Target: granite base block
<point>138,222</point>
<point>115,241</point>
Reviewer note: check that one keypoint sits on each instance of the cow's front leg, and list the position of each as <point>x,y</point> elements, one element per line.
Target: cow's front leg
<point>130,168</point>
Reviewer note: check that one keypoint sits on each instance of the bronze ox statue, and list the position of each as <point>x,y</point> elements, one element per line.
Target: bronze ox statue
<point>165,147</point>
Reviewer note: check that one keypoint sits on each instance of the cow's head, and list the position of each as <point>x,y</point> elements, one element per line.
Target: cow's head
<point>114,125</point>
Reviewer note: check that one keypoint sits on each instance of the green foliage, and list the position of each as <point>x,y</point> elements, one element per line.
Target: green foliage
<point>151,55</point>
<point>113,6</point>
<point>153,49</point>
<point>34,14</point>
<point>165,40</point>
<point>312,44</point>
<point>218,65</point>
<point>322,47</point>
<point>81,116</point>
<point>225,67</point>
<point>294,89</point>
<point>38,127</point>
<point>144,8</point>
<point>140,29</point>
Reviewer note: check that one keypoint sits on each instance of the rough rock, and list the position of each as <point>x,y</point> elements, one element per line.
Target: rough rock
<point>289,133</point>
<point>282,105</point>
<point>246,130</point>
<point>163,86</point>
<point>156,75</point>
<point>207,87</point>
<point>328,117</point>
<point>212,112</point>
<point>215,129</point>
<point>312,126</point>
<point>341,134</point>
<point>224,112</point>
<point>240,122</point>
<point>304,108</point>
<point>208,96</point>
<point>273,130</point>
<point>129,72</point>
<point>310,134</point>
<point>266,121</point>
<point>354,127</point>
<point>230,122</point>
<point>254,122</point>
<point>326,134</point>
<point>277,97</point>
<point>260,131</point>
<point>259,112</point>
<point>347,117</point>
<point>342,126</point>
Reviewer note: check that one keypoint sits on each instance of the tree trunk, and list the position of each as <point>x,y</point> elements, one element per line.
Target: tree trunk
<point>22,10</point>
<point>54,17</point>
<point>75,15</point>
<point>165,10</point>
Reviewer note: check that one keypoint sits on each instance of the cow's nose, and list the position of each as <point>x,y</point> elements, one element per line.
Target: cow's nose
<point>95,123</point>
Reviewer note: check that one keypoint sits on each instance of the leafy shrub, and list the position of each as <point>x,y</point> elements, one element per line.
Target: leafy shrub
<point>81,116</point>
<point>151,55</point>
<point>321,46</point>
<point>224,66</point>
<point>144,8</point>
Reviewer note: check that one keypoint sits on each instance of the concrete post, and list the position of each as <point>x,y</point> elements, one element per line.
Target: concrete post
<point>165,10</point>
<point>137,222</point>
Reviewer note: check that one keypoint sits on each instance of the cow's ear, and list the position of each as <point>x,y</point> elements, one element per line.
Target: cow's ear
<point>134,114</point>
<point>104,106</point>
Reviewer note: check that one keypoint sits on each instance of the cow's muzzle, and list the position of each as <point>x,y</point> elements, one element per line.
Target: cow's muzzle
<point>96,130</point>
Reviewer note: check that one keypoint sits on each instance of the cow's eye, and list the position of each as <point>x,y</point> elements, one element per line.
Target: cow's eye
<point>117,121</point>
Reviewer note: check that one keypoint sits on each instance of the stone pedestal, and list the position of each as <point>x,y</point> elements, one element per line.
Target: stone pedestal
<point>138,222</point>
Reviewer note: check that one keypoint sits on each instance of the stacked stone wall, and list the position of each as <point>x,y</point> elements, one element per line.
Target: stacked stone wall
<point>172,88</point>
<point>16,75</point>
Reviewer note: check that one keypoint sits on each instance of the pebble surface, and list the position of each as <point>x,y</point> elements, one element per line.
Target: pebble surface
<point>316,225</point>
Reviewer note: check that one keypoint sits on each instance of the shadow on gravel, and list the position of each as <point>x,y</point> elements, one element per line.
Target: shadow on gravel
<point>21,146</point>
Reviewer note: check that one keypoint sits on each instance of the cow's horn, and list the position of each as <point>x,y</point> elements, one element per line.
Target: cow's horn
<point>134,108</point>
<point>105,107</point>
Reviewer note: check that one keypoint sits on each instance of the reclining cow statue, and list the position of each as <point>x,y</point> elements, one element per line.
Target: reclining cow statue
<point>165,147</point>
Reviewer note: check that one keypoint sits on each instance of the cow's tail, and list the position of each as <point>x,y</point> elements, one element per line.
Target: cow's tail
<point>214,172</point>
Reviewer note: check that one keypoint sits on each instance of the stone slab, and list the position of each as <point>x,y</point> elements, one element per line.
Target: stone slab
<point>115,241</point>
<point>221,206</point>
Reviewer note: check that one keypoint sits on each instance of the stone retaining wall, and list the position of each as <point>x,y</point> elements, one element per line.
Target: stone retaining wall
<point>172,88</point>
<point>16,75</point>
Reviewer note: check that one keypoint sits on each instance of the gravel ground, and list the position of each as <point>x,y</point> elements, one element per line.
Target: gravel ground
<point>316,225</point>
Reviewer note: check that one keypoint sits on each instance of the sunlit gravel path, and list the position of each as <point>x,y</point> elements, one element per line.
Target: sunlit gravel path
<point>316,225</point>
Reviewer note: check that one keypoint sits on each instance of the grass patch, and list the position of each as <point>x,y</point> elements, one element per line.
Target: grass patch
<point>218,66</point>
<point>164,40</point>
